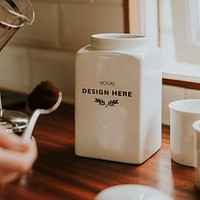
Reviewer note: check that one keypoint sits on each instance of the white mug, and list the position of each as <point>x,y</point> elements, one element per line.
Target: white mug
<point>131,192</point>
<point>196,127</point>
<point>182,115</point>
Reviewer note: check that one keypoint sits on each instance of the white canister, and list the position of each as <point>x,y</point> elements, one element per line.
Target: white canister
<point>118,99</point>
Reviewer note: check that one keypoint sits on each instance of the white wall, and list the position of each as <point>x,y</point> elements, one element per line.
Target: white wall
<point>46,50</point>
<point>170,94</point>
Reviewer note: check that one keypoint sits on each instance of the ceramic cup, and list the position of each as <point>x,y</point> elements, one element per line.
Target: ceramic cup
<point>131,192</point>
<point>182,115</point>
<point>196,127</point>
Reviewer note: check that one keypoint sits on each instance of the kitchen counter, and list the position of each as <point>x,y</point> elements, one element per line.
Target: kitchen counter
<point>59,174</point>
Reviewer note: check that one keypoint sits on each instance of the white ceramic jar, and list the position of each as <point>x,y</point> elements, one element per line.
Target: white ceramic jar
<point>118,99</point>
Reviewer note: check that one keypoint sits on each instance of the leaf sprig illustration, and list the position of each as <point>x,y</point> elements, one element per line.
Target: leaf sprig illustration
<point>113,102</point>
<point>101,102</point>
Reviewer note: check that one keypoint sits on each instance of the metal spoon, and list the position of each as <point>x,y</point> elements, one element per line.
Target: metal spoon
<point>28,131</point>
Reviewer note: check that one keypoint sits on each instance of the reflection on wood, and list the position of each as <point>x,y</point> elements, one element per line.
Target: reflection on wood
<point>60,174</point>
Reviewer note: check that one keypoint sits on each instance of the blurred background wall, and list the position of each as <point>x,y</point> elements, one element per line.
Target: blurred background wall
<point>46,50</point>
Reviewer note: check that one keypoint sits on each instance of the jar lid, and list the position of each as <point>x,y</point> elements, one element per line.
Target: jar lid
<point>13,121</point>
<point>114,41</point>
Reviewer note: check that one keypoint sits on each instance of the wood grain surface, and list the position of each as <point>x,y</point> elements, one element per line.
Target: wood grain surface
<point>59,174</point>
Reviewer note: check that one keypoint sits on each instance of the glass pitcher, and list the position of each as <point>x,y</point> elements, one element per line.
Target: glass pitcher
<point>13,15</point>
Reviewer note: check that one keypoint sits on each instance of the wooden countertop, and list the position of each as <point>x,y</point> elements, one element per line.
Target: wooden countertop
<point>59,174</point>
